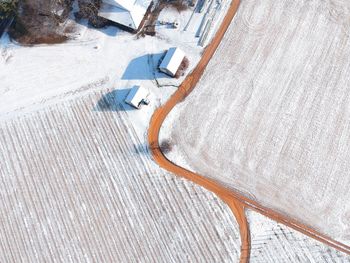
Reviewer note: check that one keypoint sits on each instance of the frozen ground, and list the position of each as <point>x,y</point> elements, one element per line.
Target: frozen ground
<point>270,116</point>
<point>273,242</point>
<point>77,185</point>
<point>77,180</point>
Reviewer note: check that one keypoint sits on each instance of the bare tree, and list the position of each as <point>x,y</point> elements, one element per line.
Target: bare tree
<point>8,8</point>
<point>88,9</point>
<point>40,21</point>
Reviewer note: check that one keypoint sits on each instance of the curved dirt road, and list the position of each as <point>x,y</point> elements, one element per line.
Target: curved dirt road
<point>236,202</point>
<point>159,116</point>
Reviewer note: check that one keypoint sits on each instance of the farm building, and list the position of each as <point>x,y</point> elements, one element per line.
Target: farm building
<point>137,96</point>
<point>172,61</point>
<point>127,13</point>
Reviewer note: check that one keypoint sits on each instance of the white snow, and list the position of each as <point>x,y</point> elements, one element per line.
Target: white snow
<point>77,185</point>
<point>106,61</point>
<point>100,196</point>
<point>34,77</point>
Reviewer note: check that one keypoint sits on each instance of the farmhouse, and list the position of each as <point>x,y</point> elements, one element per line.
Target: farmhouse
<point>137,96</point>
<point>126,13</point>
<point>172,61</point>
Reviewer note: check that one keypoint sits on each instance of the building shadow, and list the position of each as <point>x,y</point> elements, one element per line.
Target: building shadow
<point>109,29</point>
<point>144,68</point>
<point>114,101</point>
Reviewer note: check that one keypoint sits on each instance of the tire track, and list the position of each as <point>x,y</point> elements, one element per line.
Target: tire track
<point>236,201</point>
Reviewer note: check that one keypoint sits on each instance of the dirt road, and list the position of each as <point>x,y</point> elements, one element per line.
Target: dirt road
<point>236,201</point>
<point>159,116</point>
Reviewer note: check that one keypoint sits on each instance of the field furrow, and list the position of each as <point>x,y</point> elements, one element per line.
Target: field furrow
<point>77,185</point>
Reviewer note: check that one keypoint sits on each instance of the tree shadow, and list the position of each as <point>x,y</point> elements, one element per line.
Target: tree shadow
<point>144,68</point>
<point>142,149</point>
<point>114,101</point>
<point>165,146</point>
<point>4,24</point>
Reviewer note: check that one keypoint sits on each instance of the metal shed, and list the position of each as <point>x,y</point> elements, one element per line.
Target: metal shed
<point>137,96</point>
<point>172,61</point>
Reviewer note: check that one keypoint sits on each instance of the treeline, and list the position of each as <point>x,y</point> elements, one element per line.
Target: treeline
<point>8,8</point>
<point>42,21</point>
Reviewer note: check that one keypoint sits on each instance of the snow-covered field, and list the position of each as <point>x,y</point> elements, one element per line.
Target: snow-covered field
<point>273,242</point>
<point>77,180</point>
<point>77,185</point>
<point>270,117</point>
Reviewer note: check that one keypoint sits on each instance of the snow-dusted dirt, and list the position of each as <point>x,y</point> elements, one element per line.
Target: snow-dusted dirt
<point>77,185</point>
<point>273,242</point>
<point>270,117</point>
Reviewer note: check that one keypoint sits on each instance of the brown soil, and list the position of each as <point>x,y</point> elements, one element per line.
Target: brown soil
<point>236,201</point>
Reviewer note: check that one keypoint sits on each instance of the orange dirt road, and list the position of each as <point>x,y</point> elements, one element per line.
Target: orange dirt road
<point>237,202</point>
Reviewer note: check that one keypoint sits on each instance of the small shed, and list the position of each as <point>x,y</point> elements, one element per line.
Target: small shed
<point>137,96</point>
<point>172,61</point>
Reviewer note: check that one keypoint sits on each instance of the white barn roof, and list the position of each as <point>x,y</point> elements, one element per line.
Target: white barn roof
<point>136,95</point>
<point>172,61</point>
<point>128,13</point>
